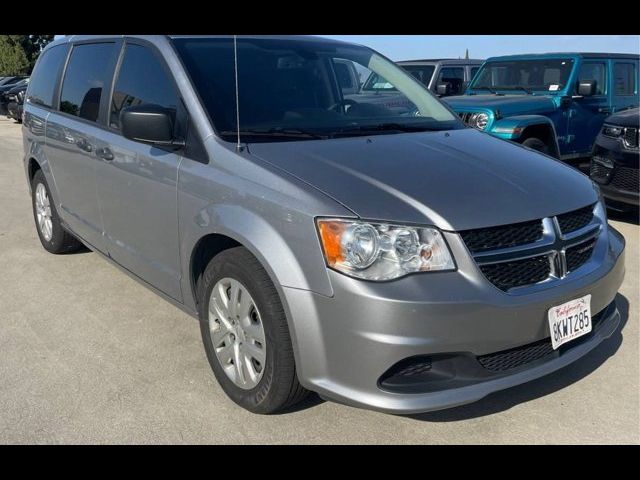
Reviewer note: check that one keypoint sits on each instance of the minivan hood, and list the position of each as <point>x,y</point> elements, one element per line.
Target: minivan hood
<point>507,104</point>
<point>455,180</point>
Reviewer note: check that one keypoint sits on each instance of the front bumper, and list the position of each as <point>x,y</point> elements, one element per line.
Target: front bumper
<point>620,182</point>
<point>344,344</point>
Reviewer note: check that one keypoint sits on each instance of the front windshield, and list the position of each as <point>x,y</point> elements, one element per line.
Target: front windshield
<point>549,75</point>
<point>298,89</point>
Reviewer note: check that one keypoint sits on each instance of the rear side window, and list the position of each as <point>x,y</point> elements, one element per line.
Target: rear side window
<point>85,80</point>
<point>45,75</point>
<point>597,72</point>
<point>141,80</point>
<point>624,78</point>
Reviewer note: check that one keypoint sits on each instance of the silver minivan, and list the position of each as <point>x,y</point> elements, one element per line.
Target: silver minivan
<point>383,256</point>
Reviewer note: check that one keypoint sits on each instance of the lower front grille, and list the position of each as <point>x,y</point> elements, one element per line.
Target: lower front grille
<point>626,178</point>
<point>509,359</point>
<point>519,356</point>
<point>514,274</point>
<point>599,172</point>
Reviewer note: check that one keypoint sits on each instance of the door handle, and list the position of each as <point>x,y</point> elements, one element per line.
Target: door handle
<point>604,110</point>
<point>84,145</point>
<point>105,153</point>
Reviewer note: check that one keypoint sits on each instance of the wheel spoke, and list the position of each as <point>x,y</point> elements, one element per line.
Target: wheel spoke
<point>251,371</point>
<point>237,360</point>
<point>219,334</point>
<point>254,351</point>
<point>234,298</point>
<point>254,331</point>
<point>225,354</point>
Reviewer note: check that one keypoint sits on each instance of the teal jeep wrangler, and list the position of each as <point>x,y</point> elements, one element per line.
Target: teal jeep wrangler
<point>555,103</point>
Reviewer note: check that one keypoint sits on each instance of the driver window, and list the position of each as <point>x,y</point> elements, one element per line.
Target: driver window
<point>595,71</point>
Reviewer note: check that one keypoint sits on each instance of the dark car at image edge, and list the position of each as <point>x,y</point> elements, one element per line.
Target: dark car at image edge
<point>616,158</point>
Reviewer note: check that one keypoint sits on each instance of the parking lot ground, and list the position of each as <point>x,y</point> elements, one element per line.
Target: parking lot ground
<point>88,355</point>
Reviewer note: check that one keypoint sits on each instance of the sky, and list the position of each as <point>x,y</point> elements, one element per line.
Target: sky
<point>408,47</point>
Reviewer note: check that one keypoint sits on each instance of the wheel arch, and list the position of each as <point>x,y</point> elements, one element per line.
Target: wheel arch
<point>527,126</point>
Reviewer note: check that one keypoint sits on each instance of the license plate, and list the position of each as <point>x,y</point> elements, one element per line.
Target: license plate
<point>570,320</point>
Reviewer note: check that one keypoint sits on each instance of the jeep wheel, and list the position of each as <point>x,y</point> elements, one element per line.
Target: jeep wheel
<point>536,144</point>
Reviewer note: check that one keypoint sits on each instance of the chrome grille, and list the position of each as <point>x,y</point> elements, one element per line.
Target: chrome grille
<point>572,221</point>
<point>465,116</point>
<point>507,275</point>
<point>630,137</point>
<point>521,255</point>
<point>482,239</point>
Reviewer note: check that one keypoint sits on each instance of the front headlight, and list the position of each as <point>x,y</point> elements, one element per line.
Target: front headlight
<point>379,251</point>
<point>612,131</point>
<point>479,120</point>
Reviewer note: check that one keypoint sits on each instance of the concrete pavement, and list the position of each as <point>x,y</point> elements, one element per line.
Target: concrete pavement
<point>87,355</point>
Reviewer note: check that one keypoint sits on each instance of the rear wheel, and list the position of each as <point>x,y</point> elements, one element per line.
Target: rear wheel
<point>245,333</point>
<point>54,238</point>
<point>536,144</point>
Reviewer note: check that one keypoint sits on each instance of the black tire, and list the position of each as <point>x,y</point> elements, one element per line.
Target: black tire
<point>61,241</point>
<point>279,387</point>
<point>536,144</point>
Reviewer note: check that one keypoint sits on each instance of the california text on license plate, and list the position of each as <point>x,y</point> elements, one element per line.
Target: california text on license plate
<point>570,320</point>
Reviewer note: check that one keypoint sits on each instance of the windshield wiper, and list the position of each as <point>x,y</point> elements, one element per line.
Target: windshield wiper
<point>529,92</point>
<point>276,132</point>
<point>486,88</point>
<point>384,127</point>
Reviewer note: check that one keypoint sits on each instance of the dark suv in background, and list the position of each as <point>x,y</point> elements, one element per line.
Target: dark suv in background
<point>614,164</point>
<point>6,84</point>
<point>15,100</point>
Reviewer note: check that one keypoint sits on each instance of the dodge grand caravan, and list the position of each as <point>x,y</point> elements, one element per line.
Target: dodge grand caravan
<point>394,260</point>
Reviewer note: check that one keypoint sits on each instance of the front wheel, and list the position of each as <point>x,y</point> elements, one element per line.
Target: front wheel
<point>536,144</point>
<point>245,334</point>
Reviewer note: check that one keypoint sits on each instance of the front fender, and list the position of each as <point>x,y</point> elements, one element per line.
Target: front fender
<point>511,128</point>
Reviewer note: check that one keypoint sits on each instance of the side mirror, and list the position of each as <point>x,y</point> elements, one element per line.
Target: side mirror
<point>148,123</point>
<point>443,89</point>
<point>587,88</point>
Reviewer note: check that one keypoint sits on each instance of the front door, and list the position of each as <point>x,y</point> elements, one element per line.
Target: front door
<point>587,114</point>
<point>137,182</point>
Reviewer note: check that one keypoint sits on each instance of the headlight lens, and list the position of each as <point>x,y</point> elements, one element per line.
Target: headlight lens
<point>378,251</point>
<point>479,120</point>
<point>612,131</point>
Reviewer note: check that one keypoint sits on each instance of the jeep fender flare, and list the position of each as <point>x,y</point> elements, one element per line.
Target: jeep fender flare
<point>516,127</point>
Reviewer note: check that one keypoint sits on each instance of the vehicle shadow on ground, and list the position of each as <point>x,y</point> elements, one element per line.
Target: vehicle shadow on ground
<point>505,399</point>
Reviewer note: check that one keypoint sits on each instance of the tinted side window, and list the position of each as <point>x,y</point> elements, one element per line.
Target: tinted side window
<point>597,72</point>
<point>85,80</point>
<point>624,79</point>
<point>141,79</point>
<point>454,76</point>
<point>44,78</point>
<point>474,70</point>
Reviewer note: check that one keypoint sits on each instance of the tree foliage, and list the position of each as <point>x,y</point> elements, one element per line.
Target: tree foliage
<point>18,53</point>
